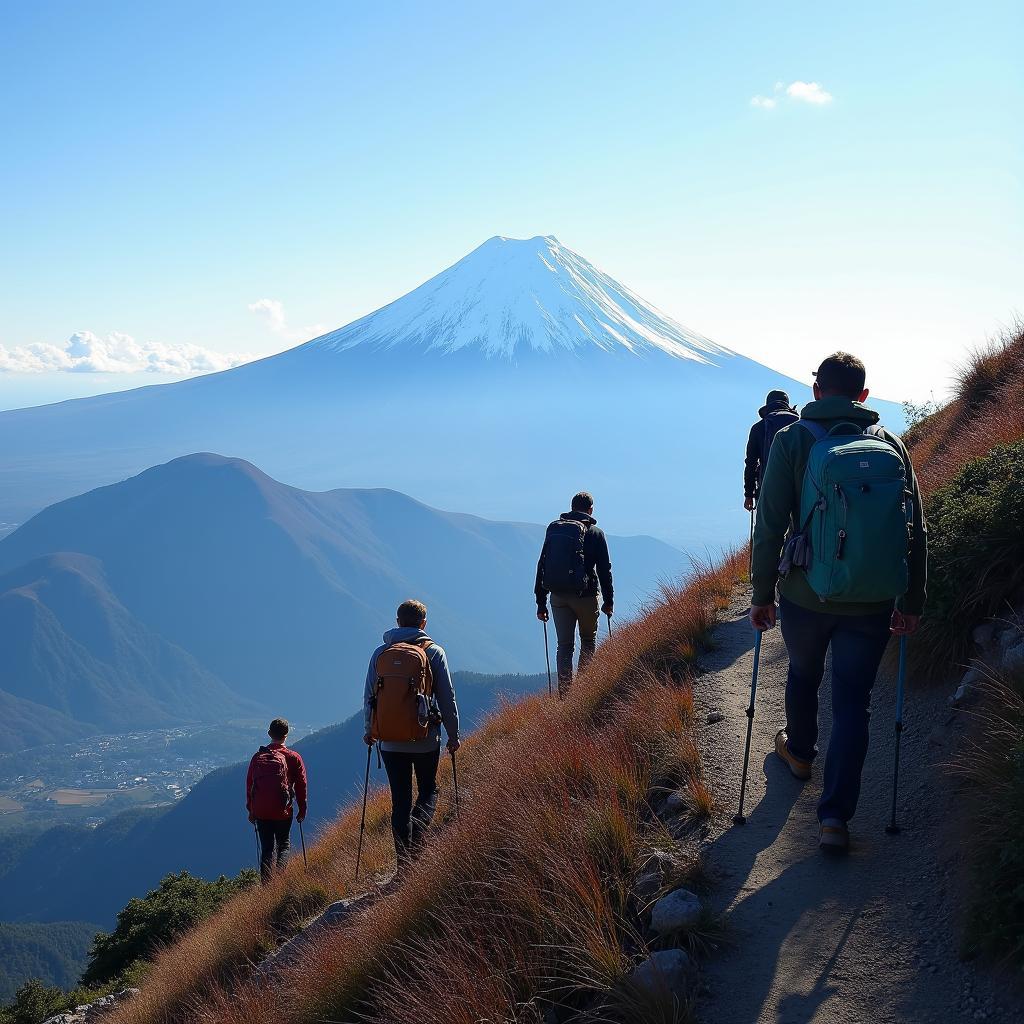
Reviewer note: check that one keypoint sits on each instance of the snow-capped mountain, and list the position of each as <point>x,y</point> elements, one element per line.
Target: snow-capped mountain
<point>499,387</point>
<point>512,297</point>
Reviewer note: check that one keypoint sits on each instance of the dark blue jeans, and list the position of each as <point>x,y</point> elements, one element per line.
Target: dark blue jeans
<point>273,834</point>
<point>409,823</point>
<point>858,643</point>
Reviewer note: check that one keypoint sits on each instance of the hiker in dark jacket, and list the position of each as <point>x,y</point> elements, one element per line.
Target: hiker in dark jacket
<point>403,759</point>
<point>577,608</point>
<point>775,414</point>
<point>856,632</point>
<point>276,778</point>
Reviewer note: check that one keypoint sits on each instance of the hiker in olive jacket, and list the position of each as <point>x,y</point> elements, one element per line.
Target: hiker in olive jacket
<point>856,633</point>
<point>580,608</point>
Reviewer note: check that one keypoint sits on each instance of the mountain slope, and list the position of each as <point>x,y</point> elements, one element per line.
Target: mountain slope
<point>54,953</point>
<point>281,593</point>
<point>76,661</point>
<point>92,873</point>
<point>499,387</point>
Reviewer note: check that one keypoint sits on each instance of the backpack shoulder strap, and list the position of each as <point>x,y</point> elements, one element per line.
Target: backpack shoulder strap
<point>816,430</point>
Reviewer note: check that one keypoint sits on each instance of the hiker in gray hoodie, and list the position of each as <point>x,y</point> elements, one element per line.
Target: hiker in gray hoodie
<point>403,759</point>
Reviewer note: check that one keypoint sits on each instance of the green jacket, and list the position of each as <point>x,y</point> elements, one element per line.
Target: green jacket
<point>779,505</point>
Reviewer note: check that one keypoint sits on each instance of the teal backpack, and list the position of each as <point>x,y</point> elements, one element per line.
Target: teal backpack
<point>856,514</point>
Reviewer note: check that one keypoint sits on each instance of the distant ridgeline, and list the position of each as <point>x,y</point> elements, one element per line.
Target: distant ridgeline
<point>54,953</point>
<point>203,590</point>
<point>477,363</point>
<point>90,874</point>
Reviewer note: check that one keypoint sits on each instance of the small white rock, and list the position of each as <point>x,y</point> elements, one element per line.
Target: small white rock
<point>675,802</point>
<point>668,970</point>
<point>675,912</point>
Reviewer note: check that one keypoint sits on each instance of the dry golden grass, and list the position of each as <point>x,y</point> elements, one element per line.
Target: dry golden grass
<point>525,896</point>
<point>987,410</point>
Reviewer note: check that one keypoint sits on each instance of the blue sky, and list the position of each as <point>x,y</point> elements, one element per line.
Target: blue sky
<point>167,166</point>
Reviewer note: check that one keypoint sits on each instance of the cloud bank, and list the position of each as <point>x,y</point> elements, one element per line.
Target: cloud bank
<point>85,352</point>
<point>795,92</point>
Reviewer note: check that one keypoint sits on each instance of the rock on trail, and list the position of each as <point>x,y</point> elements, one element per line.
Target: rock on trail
<point>872,937</point>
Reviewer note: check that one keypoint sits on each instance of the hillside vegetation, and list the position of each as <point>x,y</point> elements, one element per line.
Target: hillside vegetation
<point>534,881</point>
<point>969,457</point>
<point>54,953</point>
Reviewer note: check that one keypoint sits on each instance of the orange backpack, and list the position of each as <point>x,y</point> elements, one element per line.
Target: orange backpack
<point>405,687</point>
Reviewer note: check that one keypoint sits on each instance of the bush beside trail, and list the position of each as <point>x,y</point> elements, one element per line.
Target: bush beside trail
<point>119,960</point>
<point>970,460</point>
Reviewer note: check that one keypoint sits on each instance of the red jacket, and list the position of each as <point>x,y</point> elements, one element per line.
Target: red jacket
<point>296,781</point>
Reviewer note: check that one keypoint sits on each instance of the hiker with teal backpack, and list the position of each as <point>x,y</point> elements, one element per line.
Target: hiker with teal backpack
<point>573,564</point>
<point>840,528</point>
<point>275,781</point>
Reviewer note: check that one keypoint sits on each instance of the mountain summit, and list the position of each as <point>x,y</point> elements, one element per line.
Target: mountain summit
<point>499,387</point>
<point>512,296</point>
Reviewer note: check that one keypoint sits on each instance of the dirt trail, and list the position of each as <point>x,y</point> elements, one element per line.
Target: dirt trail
<point>870,937</point>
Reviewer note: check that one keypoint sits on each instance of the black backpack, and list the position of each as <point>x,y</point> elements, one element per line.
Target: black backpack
<point>773,423</point>
<point>565,564</point>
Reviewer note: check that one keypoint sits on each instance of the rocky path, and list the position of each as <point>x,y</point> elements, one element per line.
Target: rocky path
<point>871,937</point>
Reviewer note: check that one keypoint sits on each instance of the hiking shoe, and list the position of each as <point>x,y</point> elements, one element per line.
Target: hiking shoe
<point>798,769</point>
<point>834,836</point>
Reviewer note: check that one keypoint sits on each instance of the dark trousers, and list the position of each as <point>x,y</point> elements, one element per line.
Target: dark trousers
<point>858,643</point>
<point>409,823</point>
<point>570,611</point>
<point>275,839</point>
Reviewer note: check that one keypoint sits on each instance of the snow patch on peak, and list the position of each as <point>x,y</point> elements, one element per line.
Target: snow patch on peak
<point>510,297</point>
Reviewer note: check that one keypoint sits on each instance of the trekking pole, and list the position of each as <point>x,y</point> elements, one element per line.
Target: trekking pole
<point>609,614</point>
<point>259,850</point>
<point>739,819</point>
<point>547,653</point>
<point>362,823</point>
<point>750,563</point>
<point>892,828</point>
<point>455,782</point>
<point>302,839</point>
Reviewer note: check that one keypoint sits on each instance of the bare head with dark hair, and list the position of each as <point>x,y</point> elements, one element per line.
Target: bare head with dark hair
<point>583,502</point>
<point>278,730</point>
<point>412,613</point>
<point>841,374</point>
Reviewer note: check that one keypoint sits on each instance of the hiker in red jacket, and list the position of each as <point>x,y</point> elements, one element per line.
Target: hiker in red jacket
<point>276,778</point>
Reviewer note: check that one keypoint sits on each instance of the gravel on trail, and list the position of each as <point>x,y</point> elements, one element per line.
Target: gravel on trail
<point>816,939</point>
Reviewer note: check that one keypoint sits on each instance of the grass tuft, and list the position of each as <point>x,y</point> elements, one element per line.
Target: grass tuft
<point>523,902</point>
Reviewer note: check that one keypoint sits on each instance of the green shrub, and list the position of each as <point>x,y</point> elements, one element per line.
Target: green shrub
<point>145,925</point>
<point>994,763</point>
<point>34,1002</point>
<point>976,552</point>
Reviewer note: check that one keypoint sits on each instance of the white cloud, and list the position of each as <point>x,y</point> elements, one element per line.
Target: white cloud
<point>85,352</point>
<point>796,92</point>
<point>808,92</point>
<point>272,310</point>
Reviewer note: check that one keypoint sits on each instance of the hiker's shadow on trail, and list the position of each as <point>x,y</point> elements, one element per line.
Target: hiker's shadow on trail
<point>744,843</point>
<point>776,911</point>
